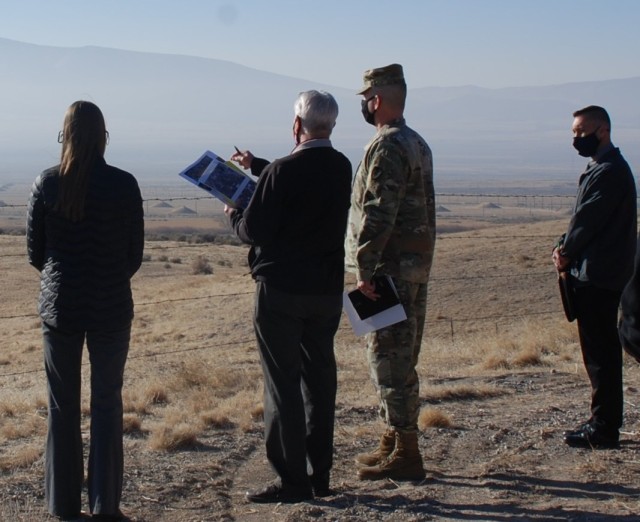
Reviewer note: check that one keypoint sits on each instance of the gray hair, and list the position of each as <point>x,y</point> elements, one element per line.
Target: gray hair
<point>318,111</point>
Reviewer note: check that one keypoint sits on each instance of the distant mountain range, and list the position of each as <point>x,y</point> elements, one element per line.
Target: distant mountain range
<point>163,110</point>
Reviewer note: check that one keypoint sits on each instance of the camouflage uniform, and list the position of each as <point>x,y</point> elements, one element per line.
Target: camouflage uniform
<point>391,231</point>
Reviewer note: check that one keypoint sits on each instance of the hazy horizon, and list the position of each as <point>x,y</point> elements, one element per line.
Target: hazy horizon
<point>163,111</point>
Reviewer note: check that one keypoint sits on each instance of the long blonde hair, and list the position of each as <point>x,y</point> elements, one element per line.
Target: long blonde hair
<point>84,139</point>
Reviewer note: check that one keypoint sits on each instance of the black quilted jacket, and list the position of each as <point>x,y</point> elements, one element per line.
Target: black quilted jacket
<point>86,266</point>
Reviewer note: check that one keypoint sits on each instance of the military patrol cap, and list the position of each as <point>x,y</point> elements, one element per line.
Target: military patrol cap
<point>389,75</point>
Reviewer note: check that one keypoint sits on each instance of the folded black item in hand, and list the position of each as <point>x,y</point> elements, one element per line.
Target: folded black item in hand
<point>567,295</point>
<point>366,307</point>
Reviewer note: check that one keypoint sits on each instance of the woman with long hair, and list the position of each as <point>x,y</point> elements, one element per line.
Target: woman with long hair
<point>85,234</point>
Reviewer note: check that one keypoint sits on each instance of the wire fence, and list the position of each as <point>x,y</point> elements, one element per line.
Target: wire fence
<point>449,325</point>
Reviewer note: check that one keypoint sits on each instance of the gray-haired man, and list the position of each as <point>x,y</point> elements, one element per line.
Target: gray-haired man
<point>295,224</point>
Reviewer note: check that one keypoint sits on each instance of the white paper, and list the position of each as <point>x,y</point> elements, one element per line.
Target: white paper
<point>390,316</point>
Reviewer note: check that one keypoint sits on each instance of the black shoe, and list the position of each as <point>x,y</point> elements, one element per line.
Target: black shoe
<point>74,518</point>
<point>323,491</point>
<point>588,436</point>
<point>118,517</point>
<point>577,429</point>
<point>277,493</point>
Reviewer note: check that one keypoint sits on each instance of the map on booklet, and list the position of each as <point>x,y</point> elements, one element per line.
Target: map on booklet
<point>222,179</point>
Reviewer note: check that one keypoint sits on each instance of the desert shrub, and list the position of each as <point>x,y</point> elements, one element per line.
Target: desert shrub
<point>201,265</point>
<point>214,419</point>
<point>527,357</point>
<point>433,418</point>
<point>204,238</point>
<point>257,413</point>
<point>146,258</point>
<point>176,260</point>
<point>228,239</point>
<point>22,458</point>
<point>171,436</point>
<point>131,424</point>
<point>461,392</point>
<point>163,258</point>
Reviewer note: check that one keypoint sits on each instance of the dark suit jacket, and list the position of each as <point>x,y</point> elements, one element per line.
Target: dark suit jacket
<point>601,238</point>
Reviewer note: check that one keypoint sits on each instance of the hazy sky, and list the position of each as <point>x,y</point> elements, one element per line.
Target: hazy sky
<point>489,43</point>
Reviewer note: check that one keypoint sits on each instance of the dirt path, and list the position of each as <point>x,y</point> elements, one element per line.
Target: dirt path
<point>502,460</point>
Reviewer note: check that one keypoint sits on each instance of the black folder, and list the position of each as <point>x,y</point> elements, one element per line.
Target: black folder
<point>366,307</point>
<point>567,295</point>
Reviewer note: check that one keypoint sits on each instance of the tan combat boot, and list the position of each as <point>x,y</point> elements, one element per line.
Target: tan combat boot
<point>404,463</point>
<point>387,444</point>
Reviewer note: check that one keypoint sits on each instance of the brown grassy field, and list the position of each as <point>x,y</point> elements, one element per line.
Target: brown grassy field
<point>501,378</point>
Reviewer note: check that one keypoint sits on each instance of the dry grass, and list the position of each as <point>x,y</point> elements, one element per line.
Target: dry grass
<point>523,344</point>
<point>201,265</point>
<point>132,424</point>
<point>193,372</point>
<point>23,427</point>
<point>178,430</point>
<point>21,457</point>
<point>433,418</point>
<point>216,420</point>
<point>462,392</point>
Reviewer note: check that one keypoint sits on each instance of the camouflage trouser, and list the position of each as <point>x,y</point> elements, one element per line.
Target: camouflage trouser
<point>393,354</point>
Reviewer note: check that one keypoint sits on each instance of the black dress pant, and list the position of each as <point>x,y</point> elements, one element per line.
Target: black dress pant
<point>64,466</point>
<point>597,313</point>
<point>295,338</point>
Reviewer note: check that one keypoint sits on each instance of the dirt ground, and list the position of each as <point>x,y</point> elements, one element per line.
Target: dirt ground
<point>501,459</point>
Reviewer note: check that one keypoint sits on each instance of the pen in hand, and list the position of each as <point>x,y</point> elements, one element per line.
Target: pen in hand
<point>243,158</point>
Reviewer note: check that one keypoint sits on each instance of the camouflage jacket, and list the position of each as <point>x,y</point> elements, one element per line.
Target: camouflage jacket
<point>392,220</point>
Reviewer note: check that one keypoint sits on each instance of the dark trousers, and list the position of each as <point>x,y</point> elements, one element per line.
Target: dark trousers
<point>597,313</point>
<point>64,465</point>
<point>295,338</point>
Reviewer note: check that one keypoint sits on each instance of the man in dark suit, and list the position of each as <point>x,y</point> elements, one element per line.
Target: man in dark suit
<point>295,224</point>
<point>598,252</point>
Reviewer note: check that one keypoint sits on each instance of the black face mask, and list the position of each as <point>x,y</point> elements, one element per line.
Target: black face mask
<point>369,117</point>
<point>587,146</point>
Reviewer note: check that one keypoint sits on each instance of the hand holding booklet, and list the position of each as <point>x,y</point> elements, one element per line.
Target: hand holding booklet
<point>367,315</point>
<point>222,179</point>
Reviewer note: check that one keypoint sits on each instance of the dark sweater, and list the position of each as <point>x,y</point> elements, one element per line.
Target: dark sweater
<point>601,238</point>
<point>296,221</point>
<point>86,266</point>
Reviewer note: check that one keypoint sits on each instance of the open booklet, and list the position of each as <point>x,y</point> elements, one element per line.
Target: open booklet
<point>366,315</point>
<point>222,179</point>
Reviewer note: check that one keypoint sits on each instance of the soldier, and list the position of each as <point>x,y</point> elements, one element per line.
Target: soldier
<point>391,232</point>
